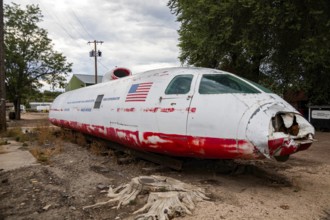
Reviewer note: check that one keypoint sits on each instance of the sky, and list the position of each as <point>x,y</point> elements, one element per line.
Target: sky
<point>137,34</point>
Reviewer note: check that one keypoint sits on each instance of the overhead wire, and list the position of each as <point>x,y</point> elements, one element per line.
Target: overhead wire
<point>76,29</point>
<point>63,26</point>
<point>104,66</point>
<point>90,35</point>
<point>81,24</point>
<point>57,21</point>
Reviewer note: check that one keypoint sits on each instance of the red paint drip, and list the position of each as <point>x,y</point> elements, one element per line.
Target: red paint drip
<point>125,109</point>
<point>154,110</point>
<point>167,110</point>
<point>191,109</point>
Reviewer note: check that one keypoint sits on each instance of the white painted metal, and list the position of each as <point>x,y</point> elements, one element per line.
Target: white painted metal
<point>228,116</point>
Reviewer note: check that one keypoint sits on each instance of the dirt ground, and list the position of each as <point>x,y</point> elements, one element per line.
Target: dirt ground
<point>296,189</point>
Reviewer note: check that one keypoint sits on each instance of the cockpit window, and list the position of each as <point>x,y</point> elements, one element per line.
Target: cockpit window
<point>179,85</point>
<point>224,83</point>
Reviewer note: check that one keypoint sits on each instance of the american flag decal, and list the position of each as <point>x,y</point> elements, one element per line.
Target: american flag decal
<point>138,92</point>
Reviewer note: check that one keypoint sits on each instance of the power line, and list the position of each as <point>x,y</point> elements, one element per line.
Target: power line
<point>63,26</point>
<point>104,66</point>
<point>81,24</point>
<point>75,28</point>
<point>58,22</point>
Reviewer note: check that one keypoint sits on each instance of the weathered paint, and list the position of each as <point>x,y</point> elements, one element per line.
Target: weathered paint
<point>172,144</point>
<point>224,126</point>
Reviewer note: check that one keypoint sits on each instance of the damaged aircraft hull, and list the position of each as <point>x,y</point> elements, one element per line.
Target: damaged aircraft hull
<point>187,112</point>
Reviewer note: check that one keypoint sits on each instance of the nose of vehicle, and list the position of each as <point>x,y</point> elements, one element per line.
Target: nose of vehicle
<point>289,133</point>
<point>277,133</point>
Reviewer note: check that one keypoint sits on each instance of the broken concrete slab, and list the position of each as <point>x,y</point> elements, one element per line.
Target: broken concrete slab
<point>12,156</point>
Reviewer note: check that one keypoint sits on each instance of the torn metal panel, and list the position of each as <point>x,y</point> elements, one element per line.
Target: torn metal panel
<point>287,133</point>
<point>288,119</point>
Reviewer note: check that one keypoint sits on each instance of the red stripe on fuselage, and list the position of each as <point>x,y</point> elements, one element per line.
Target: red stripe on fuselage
<point>170,144</point>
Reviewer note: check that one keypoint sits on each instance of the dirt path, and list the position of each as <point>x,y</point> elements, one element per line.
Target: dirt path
<point>296,189</point>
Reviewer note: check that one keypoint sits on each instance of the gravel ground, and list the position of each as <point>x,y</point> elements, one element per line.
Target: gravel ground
<point>73,178</point>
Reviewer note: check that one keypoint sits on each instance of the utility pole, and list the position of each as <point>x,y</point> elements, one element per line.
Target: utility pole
<point>95,53</point>
<point>2,74</point>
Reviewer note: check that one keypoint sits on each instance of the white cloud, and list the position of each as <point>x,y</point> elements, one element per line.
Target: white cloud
<point>137,34</point>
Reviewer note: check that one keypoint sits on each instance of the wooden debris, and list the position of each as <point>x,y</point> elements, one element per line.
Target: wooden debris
<point>154,169</point>
<point>168,197</point>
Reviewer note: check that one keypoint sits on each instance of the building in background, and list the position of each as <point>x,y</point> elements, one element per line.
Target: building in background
<point>40,106</point>
<point>81,80</point>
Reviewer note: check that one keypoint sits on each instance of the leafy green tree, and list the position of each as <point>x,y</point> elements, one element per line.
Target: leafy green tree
<point>38,96</point>
<point>29,56</point>
<point>282,44</point>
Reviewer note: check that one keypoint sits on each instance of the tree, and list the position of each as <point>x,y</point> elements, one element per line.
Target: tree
<point>29,56</point>
<point>38,96</point>
<point>282,44</point>
<point>3,126</point>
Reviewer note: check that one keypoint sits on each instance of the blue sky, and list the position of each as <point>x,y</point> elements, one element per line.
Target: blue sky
<point>137,34</point>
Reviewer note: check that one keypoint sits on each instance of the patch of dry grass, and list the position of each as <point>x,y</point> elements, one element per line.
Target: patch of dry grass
<point>43,154</point>
<point>98,148</point>
<point>48,144</point>
<point>48,141</point>
<point>3,141</point>
<point>63,134</point>
<point>45,135</point>
<point>17,134</point>
<point>72,136</point>
<point>80,139</point>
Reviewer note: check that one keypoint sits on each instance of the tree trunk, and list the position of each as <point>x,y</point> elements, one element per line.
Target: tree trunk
<point>17,105</point>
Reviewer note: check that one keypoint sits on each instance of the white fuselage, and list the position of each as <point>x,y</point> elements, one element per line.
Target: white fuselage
<point>180,112</point>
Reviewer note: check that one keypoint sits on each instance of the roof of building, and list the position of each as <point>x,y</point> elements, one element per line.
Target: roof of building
<point>88,79</point>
